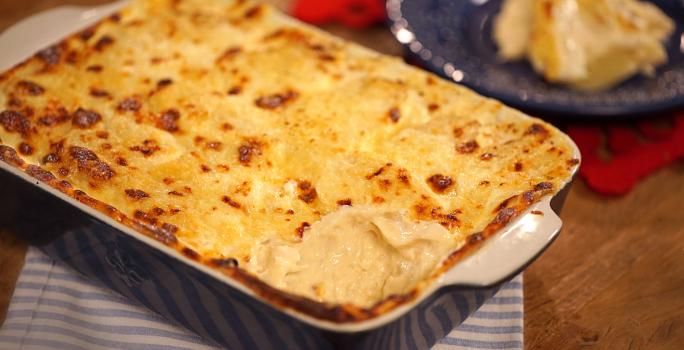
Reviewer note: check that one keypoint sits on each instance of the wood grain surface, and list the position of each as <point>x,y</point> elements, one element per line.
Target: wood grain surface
<point>613,280</point>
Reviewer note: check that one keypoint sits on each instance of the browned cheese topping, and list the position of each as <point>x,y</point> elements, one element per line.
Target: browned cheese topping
<point>215,125</point>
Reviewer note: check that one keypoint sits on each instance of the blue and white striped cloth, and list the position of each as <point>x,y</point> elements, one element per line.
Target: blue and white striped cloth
<point>54,307</point>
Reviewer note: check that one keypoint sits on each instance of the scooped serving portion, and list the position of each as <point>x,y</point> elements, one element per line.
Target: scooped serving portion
<point>585,44</point>
<point>300,164</point>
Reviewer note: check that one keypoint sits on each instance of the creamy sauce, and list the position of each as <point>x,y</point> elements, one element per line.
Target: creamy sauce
<point>354,255</point>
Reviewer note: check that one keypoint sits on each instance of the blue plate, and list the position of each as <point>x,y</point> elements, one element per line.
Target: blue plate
<point>453,38</point>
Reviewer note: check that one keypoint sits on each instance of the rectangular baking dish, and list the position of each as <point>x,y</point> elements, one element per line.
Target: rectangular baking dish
<point>212,304</point>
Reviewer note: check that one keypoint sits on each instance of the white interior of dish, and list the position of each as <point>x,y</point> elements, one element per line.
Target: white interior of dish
<point>506,253</point>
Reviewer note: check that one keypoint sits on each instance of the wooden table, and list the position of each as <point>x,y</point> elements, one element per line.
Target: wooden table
<point>613,280</point>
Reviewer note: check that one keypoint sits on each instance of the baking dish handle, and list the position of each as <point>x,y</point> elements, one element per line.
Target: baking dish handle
<point>509,251</point>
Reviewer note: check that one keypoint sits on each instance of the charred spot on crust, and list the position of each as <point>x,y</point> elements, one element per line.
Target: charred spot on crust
<point>235,90</point>
<point>317,47</point>
<point>458,132</point>
<point>50,55</point>
<point>486,156</point>
<point>164,82</point>
<point>25,149</point>
<point>543,186</point>
<point>136,194</point>
<point>300,230</point>
<point>475,238</point>
<point>254,11</point>
<point>432,107</point>
<point>103,42</point>
<point>573,161</point>
<point>39,173</point>
<point>467,147</point>
<point>326,57</point>
<point>166,233</point>
<point>115,17</point>
<point>227,126</point>
<point>536,129</point>
<point>176,193</point>
<point>84,118</point>
<point>95,68</point>
<point>129,104</point>
<point>190,253</point>
<point>346,201</point>
<point>504,203</point>
<point>403,176</point>
<point>14,121</point>
<point>161,85</point>
<point>504,216</point>
<point>121,161</point>
<point>231,202</point>
<point>14,102</point>
<point>9,155</point>
<point>71,57</point>
<point>214,145</point>
<point>394,114</point>
<point>517,166</point>
<point>439,183</point>
<point>54,116</point>
<point>537,212</point>
<point>229,53</point>
<point>95,92</point>
<point>88,162</point>
<point>168,120</point>
<point>307,193</point>
<point>148,148</point>
<point>51,158</point>
<point>379,171</point>
<point>528,196</point>
<point>27,87</point>
<point>288,33</point>
<point>226,263</point>
<point>385,184</point>
<point>87,33</point>
<point>248,150</point>
<point>275,100</point>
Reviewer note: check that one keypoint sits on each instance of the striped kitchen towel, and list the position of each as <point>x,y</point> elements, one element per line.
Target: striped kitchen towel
<point>54,307</point>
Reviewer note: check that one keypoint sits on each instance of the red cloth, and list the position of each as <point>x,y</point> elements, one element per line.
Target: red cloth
<point>615,156</point>
<point>352,13</point>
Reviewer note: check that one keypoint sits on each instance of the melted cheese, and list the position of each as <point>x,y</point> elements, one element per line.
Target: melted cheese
<point>231,125</point>
<point>587,44</point>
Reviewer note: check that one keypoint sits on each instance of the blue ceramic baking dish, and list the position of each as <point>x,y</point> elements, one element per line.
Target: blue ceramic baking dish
<point>211,303</point>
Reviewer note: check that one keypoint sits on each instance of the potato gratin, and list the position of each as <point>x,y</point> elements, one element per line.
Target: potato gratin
<point>586,44</point>
<point>266,148</point>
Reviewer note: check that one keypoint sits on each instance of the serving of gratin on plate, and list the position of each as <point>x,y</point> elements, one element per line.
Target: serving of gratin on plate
<point>276,153</point>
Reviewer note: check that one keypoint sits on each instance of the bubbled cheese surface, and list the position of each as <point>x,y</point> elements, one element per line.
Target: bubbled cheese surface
<point>235,125</point>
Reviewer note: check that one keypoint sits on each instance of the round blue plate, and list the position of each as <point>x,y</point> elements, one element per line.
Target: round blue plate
<point>453,38</point>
